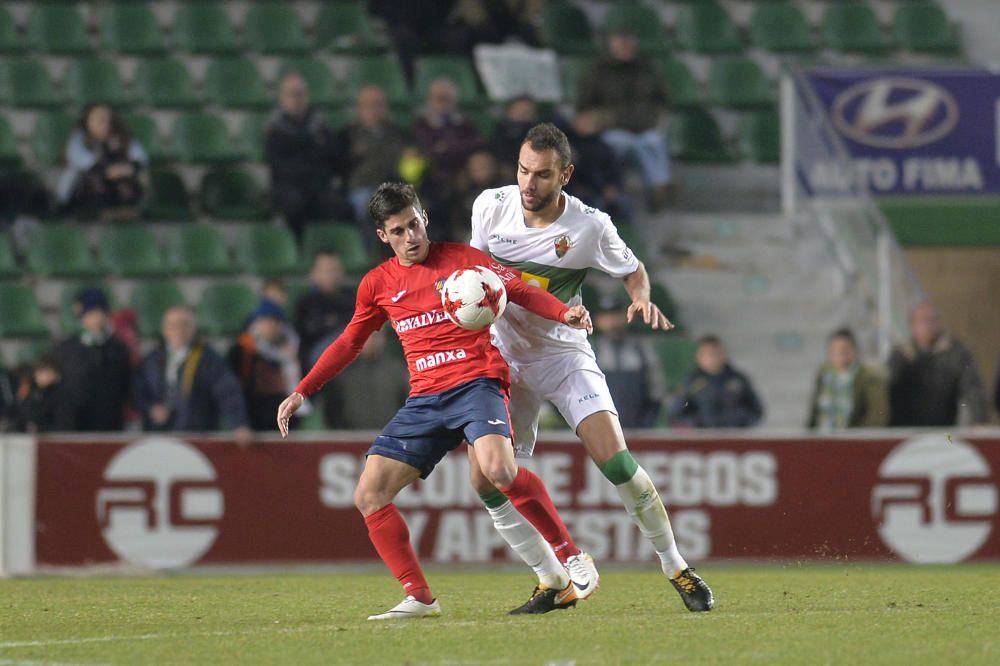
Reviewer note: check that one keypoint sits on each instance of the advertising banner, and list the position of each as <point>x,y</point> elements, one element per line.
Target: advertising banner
<point>912,131</point>
<point>165,502</point>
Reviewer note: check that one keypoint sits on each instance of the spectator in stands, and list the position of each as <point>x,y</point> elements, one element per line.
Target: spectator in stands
<point>996,390</point>
<point>305,159</point>
<point>184,385</point>
<point>414,27</point>
<point>630,94</point>
<point>104,165</point>
<point>597,178</point>
<point>847,394</point>
<point>716,395</point>
<point>42,406</point>
<point>322,311</point>
<point>481,172</point>
<point>446,137</point>
<point>385,382</point>
<point>932,377</point>
<point>10,407</point>
<point>265,359</point>
<point>96,373</point>
<point>473,22</point>
<point>520,115</point>
<point>374,145</point>
<point>629,364</point>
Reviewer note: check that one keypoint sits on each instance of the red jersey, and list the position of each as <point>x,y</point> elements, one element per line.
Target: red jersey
<point>439,354</point>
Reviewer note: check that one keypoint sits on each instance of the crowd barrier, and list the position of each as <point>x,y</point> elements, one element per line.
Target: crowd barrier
<point>164,502</point>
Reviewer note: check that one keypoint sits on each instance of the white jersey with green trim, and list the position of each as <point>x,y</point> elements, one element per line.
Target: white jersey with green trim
<point>555,258</point>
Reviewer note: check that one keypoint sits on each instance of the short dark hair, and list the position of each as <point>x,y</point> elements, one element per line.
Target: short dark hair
<point>710,339</point>
<point>546,136</point>
<point>389,199</point>
<point>846,334</point>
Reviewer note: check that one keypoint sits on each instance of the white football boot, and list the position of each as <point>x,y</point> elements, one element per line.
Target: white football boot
<point>410,609</point>
<point>583,573</point>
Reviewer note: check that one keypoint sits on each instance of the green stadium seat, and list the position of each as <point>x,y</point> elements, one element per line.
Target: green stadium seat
<point>9,155</point>
<point>197,249</point>
<point>236,83</point>
<point>567,29</point>
<point>738,83</point>
<point>760,136</point>
<point>251,138</point>
<point>144,128</point>
<point>924,27</point>
<point>382,71</point>
<point>131,250</point>
<point>150,300</point>
<point>707,28</point>
<point>345,27</point>
<point>204,28</point>
<point>342,238</point>
<point>168,198</point>
<point>51,133</point>
<point>8,262</point>
<point>59,250</point>
<point>782,28</point>
<point>91,80</point>
<point>28,84</point>
<point>20,313</point>
<point>69,321</point>
<point>131,28</point>
<point>340,118</point>
<point>58,28</point>
<point>324,91</point>
<point>273,27</point>
<point>571,68</point>
<point>224,308</point>
<point>267,249</point>
<point>852,26</point>
<point>680,82</point>
<point>11,41</point>
<point>643,21</point>
<point>165,83</point>
<point>232,195</point>
<point>695,137</point>
<point>676,356</point>
<point>202,138</point>
<point>458,69</point>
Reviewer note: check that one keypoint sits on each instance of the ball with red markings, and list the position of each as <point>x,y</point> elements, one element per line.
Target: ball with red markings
<point>473,297</point>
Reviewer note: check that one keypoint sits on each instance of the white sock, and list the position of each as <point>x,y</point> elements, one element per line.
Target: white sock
<point>529,545</point>
<point>646,509</point>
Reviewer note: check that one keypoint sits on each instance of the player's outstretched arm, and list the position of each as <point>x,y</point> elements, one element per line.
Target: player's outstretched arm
<point>288,406</point>
<point>637,286</point>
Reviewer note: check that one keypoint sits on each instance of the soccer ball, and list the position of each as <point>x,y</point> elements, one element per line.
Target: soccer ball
<point>473,297</point>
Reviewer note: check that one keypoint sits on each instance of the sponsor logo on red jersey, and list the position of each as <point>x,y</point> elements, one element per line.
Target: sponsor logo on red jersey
<point>419,321</point>
<point>439,358</point>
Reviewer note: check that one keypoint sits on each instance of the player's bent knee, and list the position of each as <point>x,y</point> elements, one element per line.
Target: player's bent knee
<point>368,501</point>
<point>480,483</point>
<point>501,473</point>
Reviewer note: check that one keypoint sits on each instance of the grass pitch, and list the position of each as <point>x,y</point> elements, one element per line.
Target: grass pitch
<point>764,615</point>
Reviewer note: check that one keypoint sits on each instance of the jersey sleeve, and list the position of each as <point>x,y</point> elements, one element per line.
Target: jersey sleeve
<point>480,236</point>
<point>530,297</point>
<point>613,256</point>
<point>368,318</point>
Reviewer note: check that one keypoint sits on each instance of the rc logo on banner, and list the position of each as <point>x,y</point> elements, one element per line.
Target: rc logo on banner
<point>935,500</point>
<point>159,505</point>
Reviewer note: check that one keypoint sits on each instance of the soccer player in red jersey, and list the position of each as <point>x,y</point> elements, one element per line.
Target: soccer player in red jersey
<point>458,387</point>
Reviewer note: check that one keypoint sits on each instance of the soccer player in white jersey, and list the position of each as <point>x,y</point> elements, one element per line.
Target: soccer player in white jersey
<point>553,238</point>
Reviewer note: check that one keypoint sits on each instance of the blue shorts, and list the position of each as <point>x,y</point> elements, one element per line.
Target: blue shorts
<point>428,426</point>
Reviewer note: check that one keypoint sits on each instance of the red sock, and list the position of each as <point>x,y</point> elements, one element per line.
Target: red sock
<point>391,538</point>
<point>529,497</point>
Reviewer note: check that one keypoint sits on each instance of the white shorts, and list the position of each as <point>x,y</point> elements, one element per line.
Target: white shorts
<point>572,382</point>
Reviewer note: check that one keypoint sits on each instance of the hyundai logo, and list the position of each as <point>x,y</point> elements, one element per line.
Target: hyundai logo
<point>895,113</point>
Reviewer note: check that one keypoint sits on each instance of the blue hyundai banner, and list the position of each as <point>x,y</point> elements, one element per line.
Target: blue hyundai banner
<point>915,131</point>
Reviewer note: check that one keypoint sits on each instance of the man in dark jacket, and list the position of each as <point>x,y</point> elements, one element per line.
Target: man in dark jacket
<point>96,373</point>
<point>597,176</point>
<point>304,156</point>
<point>185,385</point>
<point>323,311</point>
<point>932,376</point>
<point>716,395</point>
<point>629,92</point>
